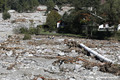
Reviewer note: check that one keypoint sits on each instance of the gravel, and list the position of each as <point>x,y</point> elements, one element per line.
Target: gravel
<point>25,61</point>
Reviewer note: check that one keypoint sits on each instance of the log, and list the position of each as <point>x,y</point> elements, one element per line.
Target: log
<point>96,54</point>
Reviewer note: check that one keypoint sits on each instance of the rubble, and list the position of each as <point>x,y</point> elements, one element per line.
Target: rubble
<point>55,59</point>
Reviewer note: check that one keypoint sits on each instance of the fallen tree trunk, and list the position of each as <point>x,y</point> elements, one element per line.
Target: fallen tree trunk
<point>96,54</point>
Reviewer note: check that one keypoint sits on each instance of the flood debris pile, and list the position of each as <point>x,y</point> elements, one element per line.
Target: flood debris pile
<point>61,58</point>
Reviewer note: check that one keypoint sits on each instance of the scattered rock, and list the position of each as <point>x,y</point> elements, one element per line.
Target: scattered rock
<point>9,53</point>
<point>119,57</point>
<point>67,67</point>
<point>54,60</point>
<point>72,79</point>
<point>95,68</point>
<point>73,51</point>
<point>28,54</point>
<point>39,79</point>
<point>61,53</point>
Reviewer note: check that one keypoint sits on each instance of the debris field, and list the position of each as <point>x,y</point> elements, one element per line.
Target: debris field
<point>58,58</point>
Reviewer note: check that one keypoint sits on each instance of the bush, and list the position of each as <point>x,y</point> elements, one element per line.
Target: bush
<point>102,34</point>
<point>23,30</point>
<point>16,30</point>
<point>6,15</point>
<point>32,30</point>
<point>116,36</point>
<point>27,37</point>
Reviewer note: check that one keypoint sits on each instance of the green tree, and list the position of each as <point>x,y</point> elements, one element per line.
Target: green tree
<point>50,5</point>
<point>111,11</point>
<point>52,19</point>
<point>60,3</point>
<point>22,5</point>
<point>6,15</point>
<point>3,5</point>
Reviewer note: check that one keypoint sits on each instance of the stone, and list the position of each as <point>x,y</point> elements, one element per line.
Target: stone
<point>77,67</point>
<point>48,51</point>
<point>73,51</point>
<point>28,54</point>
<point>61,53</point>
<point>60,40</point>
<point>9,53</point>
<point>38,47</point>
<point>39,79</point>
<point>72,79</point>
<point>67,67</point>
<point>95,68</point>
<point>39,51</point>
<point>11,11</point>
<point>55,69</point>
<point>118,57</point>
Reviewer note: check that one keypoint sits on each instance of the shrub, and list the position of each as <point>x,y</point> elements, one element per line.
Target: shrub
<point>16,30</point>
<point>6,15</point>
<point>27,37</point>
<point>38,30</point>
<point>23,30</point>
<point>32,30</point>
<point>117,35</point>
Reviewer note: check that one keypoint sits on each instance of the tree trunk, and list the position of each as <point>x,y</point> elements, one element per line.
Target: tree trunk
<point>96,54</point>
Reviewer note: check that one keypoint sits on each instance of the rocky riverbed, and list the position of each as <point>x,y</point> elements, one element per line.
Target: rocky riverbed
<point>58,58</point>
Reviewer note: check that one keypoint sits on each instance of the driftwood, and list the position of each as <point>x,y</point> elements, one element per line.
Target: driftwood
<point>96,54</point>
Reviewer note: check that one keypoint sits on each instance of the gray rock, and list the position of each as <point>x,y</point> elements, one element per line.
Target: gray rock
<point>118,57</point>
<point>67,67</point>
<point>61,53</point>
<point>28,54</point>
<point>55,69</point>
<point>95,68</point>
<point>77,67</point>
<point>39,79</point>
<point>73,51</point>
<point>9,53</point>
<point>72,79</point>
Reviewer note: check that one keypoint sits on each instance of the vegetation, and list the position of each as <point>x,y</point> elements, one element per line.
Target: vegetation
<point>28,5</point>
<point>52,19</point>
<point>6,15</point>
<point>27,37</point>
<point>82,20</point>
<point>85,18</point>
<point>18,5</point>
<point>50,4</point>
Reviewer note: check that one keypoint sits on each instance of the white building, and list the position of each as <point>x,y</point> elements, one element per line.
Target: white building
<point>104,27</point>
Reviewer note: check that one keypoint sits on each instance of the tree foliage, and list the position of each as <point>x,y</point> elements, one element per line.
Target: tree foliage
<point>18,5</point>
<point>52,19</point>
<point>6,15</point>
<point>111,11</point>
<point>50,5</point>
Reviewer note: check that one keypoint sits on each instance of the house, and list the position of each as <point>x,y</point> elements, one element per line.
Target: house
<point>60,24</point>
<point>107,27</point>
